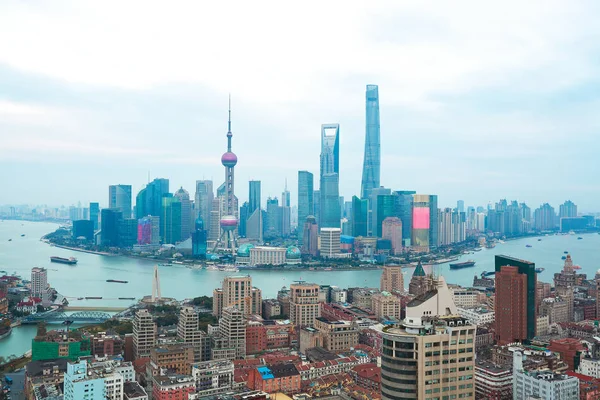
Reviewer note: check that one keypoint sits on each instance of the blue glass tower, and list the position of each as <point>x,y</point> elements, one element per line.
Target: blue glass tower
<point>329,177</point>
<point>372,159</point>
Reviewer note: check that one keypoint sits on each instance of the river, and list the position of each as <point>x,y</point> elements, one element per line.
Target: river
<point>88,277</point>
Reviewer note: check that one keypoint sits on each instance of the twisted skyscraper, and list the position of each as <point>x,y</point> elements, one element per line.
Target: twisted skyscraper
<point>372,160</point>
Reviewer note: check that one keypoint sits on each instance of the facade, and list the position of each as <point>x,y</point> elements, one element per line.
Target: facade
<point>148,230</point>
<point>337,335</point>
<point>232,327</point>
<point>386,306</point>
<point>189,332</point>
<point>304,303</point>
<point>392,279</point>
<point>360,216</point>
<point>542,384</point>
<point>477,316</point>
<point>262,255</point>
<point>203,199</point>
<point>199,239</point>
<point>237,291</point>
<point>310,240</point>
<point>404,211</point>
<point>171,220</point>
<point>567,210</point>
<point>465,298</point>
<point>149,200</point>
<point>276,378</point>
<point>213,377</point>
<point>172,387</point>
<point>492,382</point>
<point>386,208</point>
<point>83,228</point>
<point>432,353</point>
<point>392,230</point>
<point>186,213</point>
<point>372,158</point>
<point>119,197</point>
<point>589,367</point>
<point>329,208</point>
<point>144,334</point>
<point>174,357</point>
<point>109,226</point>
<point>420,241</point>
<point>330,242</point>
<point>78,384</point>
<point>94,214</point>
<point>305,200</point>
<point>515,300</point>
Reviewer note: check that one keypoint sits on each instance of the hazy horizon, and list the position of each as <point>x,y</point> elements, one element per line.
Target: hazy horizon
<point>479,102</point>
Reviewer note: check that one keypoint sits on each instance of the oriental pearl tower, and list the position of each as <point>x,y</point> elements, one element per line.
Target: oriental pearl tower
<point>228,222</point>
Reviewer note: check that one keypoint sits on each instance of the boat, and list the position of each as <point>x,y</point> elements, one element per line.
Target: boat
<point>328,269</point>
<point>566,252</point>
<point>93,298</point>
<point>230,269</point>
<point>477,249</point>
<point>539,240</point>
<point>579,238</point>
<point>80,298</point>
<point>116,281</point>
<point>539,270</point>
<point>212,268</point>
<point>485,273</point>
<point>460,265</point>
<point>490,245</point>
<point>10,240</point>
<point>62,260</point>
<point>528,245</point>
<point>22,235</point>
<point>165,265</point>
<point>126,298</point>
<point>564,257</point>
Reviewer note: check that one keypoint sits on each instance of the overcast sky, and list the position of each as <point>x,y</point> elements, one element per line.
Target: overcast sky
<point>479,100</point>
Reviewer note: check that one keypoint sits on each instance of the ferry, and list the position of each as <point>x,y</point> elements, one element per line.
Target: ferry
<point>460,265</point>
<point>579,238</point>
<point>528,245</point>
<point>61,260</point>
<point>231,268</point>
<point>116,281</point>
<point>563,257</point>
<point>485,273</point>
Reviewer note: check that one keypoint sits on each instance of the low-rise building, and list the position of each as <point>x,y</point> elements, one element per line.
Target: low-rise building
<point>465,298</point>
<point>271,308</point>
<point>367,376</point>
<point>213,377</point>
<point>570,350</point>
<point>477,315</point>
<point>337,335</point>
<point>589,367</point>
<point>174,357</point>
<point>492,382</point>
<point>133,391</point>
<point>29,305</point>
<point>385,306</point>
<point>172,387</point>
<point>105,345</point>
<point>275,378</point>
<point>543,384</point>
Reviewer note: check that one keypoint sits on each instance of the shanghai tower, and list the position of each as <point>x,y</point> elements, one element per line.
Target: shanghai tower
<point>372,160</point>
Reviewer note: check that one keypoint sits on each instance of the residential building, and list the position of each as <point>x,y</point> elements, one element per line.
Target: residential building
<point>105,345</point>
<point>213,377</point>
<point>133,391</point>
<point>492,382</point>
<point>177,357</point>
<point>172,387</point>
<point>542,384</point>
<point>391,279</point>
<point>589,367</point>
<point>275,378</point>
<point>304,303</point>
<point>477,315</point>
<point>338,335</point>
<point>39,283</point>
<point>465,298</point>
<point>386,306</point>
<point>232,328</point>
<point>188,331</point>
<point>144,334</point>
<point>237,291</point>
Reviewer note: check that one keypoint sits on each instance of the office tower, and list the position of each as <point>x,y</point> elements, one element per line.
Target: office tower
<point>544,218</point>
<point>171,220</point>
<point>274,218</point>
<point>392,279</point>
<point>372,158</point>
<point>203,200</point>
<point>141,204</point>
<point>232,327</point>
<point>330,242</point>
<point>127,232</point>
<point>329,176</point>
<point>254,225</point>
<point>386,208</point>
<point>567,210</point>
<point>39,282</point>
<point>229,221</point>
<point>144,334</point>
<point>237,291</point>
<point>360,213</point>
<point>420,222</point>
<point>149,199</point>
<point>186,212</point>
<point>148,230</point>
<point>317,204</point>
<point>404,210</point>
<point>83,229</point>
<point>515,300</point>
<point>431,344</point>
<point>119,197</point>
<point>79,384</point>
<point>243,219</point>
<point>254,196</point>
<point>304,303</point>
<point>109,226</point>
<point>392,230</point>
<point>433,220</point>
<point>199,238</point>
<point>460,205</point>
<point>285,212</point>
<point>188,331</point>
<point>94,213</point>
<point>310,237</point>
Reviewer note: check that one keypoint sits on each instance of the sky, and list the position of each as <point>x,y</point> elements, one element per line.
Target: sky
<point>479,100</point>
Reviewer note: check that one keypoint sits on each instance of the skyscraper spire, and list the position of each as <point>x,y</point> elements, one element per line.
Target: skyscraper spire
<point>229,134</point>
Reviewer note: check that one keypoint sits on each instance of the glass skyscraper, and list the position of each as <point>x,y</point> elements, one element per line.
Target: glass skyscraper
<point>119,197</point>
<point>360,211</point>
<point>305,200</point>
<point>329,176</point>
<point>372,158</point>
<point>404,205</point>
<point>385,208</point>
<point>253,196</point>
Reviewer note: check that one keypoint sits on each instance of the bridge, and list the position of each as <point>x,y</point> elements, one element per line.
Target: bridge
<point>59,317</point>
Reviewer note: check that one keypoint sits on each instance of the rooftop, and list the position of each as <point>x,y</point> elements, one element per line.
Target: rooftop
<point>133,390</point>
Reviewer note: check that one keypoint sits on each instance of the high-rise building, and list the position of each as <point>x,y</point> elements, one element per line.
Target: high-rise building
<point>186,212</point>
<point>392,230</point>
<point>39,282</point>
<point>188,331</point>
<point>149,200</point>
<point>305,199</point>
<point>237,291</point>
<point>360,215</point>
<point>433,220</point>
<point>109,226</point>
<point>203,200</point>
<point>83,228</point>
<point>567,210</point>
<point>304,303</point>
<point>386,208</point>
<point>274,218</point>
<point>373,211</point>
<point>515,305</point>
<point>128,232</point>
<point>254,196</point>
<point>329,176</point>
<point>119,197</point>
<point>392,279</point>
<point>431,344</point>
<point>199,238</point>
<point>330,242</point>
<point>404,211</point>
<point>544,218</point>
<point>144,334</point>
<point>310,239</point>
<point>372,158</point>
<point>254,225</point>
<point>386,306</point>
<point>460,205</point>
<point>94,214</point>
<point>232,326</point>
<point>420,223</point>
<point>171,220</point>
<point>286,227</point>
<point>148,230</point>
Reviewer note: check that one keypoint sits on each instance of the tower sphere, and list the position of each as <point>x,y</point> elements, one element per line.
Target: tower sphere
<point>229,159</point>
<point>228,223</point>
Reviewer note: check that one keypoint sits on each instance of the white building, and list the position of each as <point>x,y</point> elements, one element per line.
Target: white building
<point>543,384</point>
<point>262,255</point>
<point>589,367</point>
<point>466,298</point>
<point>338,295</point>
<point>330,242</point>
<point>477,315</point>
<point>144,334</point>
<point>213,377</point>
<point>39,284</point>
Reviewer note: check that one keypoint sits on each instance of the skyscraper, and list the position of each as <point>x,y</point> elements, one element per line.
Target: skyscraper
<point>421,222</point>
<point>119,197</point>
<point>94,213</point>
<point>360,215</point>
<point>229,221</point>
<point>144,334</point>
<point>171,220</point>
<point>372,158</point>
<point>385,208</point>
<point>274,218</point>
<point>254,196</point>
<point>392,230</point>
<point>186,212</point>
<point>329,176</point>
<point>404,205</point>
<point>567,210</point>
<point>109,225</point>
<point>149,200</point>
<point>515,300</point>
<point>305,200</point>
<point>433,221</point>
<point>203,201</point>
<point>310,240</point>
<point>285,212</point>
<point>199,236</point>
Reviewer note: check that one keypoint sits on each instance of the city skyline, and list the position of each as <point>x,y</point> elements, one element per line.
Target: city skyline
<point>456,120</point>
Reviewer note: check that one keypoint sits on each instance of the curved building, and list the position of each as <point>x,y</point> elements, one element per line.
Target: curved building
<point>372,158</point>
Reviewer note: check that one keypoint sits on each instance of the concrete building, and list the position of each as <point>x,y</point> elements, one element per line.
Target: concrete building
<point>188,331</point>
<point>304,303</point>
<point>330,242</point>
<point>213,377</point>
<point>337,335</point>
<point>477,315</point>
<point>392,279</point>
<point>420,282</point>
<point>78,384</point>
<point>556,309</point>
<point>465,298</point>
<point>232,327</point>
<point>431,353</point>
<point>589,367</point>
<point>133,391</point>
<point>544,385</point>
<point>177,357</point>
<point>263,255</point>
<point>172,387</point>
<point>492,382</point>
<point>391,230</point>
<point>39,284</point>
<point>386,306</point>
<point>275,378</point>
<point>144,334</point>
<point>237,291</point>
